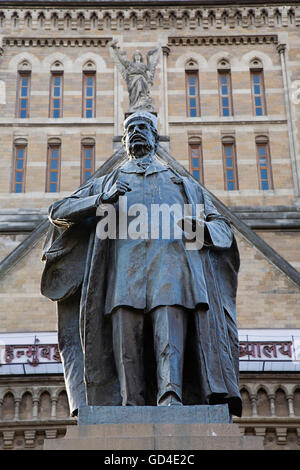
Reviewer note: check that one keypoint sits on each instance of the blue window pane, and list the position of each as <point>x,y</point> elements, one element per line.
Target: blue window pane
<point>230,185</point>
<point>57,81</point>
<point>19,177</point>
<point>225,111</point>
<point>257,101</point>
<point>89,91</point>
<point>88,164</point>
<point>89,81</point>
<point>256,79</point>
<point>19,165</point>
<point>228,151</point>
<point>88,153</point>
<point>229,162</point>
<point>24,81</point>
<point>224,79</point>
<point>195,162</point>
<point>53,177</point>
<point>257,89</point>
<point>24,91</point>
<point>56,113</point>
<point>264,174</point>
<point>20,153</point>
<point>229,174</point>
<point>225,102</point>
<point>193,113</point>
<point>56,91</point>
<point>18,188</point>
<point>224,90</point>
<point>89,103</point>
<point>54,165</point>
<point>53,188</point>
<point>192,80</point>
<point>264,185</point>
<point>193,102</point>
<point>54,153</point>
<point>87,175</point>
<point>196,174</point>
<point>88,113</point>
<point>23,103</point>
<point>23,113</point>
<point>56,103</point>
<point>192,90</point>
<point>259,112</point>
<point>261,151</point>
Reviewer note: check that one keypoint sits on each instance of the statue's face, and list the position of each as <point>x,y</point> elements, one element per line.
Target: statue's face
<point>139,138</point>
<point>137,57</point>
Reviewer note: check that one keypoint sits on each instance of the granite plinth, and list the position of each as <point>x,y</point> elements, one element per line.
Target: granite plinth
<point>154,428</point>
<point>153,414</point>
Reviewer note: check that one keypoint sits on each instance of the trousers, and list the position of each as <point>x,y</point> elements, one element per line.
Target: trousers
<point>169,336</point>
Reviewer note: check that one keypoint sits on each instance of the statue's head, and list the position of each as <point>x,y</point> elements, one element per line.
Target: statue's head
<point>140,136</point>
<point>137,57</point>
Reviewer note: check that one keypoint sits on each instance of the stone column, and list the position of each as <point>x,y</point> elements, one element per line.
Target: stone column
<point>165,126</point>
<point>281,48</point>
<point>272,405</point>
<point>290,400</point>
<point>253,399</point>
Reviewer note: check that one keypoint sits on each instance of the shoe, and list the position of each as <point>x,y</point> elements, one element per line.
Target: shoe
<point>170,399</point>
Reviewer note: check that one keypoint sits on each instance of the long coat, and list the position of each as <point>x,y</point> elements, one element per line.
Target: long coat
<point>78,267</point>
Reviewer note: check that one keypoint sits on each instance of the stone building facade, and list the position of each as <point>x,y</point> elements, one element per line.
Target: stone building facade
<point>227,93</point>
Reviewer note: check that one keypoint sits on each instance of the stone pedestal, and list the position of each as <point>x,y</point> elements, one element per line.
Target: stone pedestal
<point>154,428</point>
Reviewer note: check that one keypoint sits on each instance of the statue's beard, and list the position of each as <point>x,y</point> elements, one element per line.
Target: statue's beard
<point>140,147</point>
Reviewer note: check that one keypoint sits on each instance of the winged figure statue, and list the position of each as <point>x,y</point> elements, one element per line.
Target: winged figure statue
<point>138,75</point>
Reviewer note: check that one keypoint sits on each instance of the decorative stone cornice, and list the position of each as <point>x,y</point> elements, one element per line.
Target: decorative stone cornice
<point>55,41</point>
<point>222,40</point>
<point>118,17</point>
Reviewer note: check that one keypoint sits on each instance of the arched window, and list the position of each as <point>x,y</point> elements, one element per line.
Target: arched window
<point>258,88</point>
<point>87,159</point>
<point>23,90</point>
<point>89,90</point>
<point>19,165</point>
<point>53,165</point>
<point>264,167</point>
<point>225,88</point>
<point>56,90</point>
<point>195,158</point>
<point>192,89</point>
<point>229,164</point>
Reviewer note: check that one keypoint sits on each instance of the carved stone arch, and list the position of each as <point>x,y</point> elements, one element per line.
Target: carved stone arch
<point>28,20</point>
<point>8,405</point>
<point>238,18</point>
<point>14,19</point>
<point>225,18</point>
<point>223,64</point>
<point>62,407</point>
<point>245,394</point>
<point>120,19</point>
<point>255,54</point>
<point>264,15</point>
<point>81,20</point>
<point>291,16</point>
<point>57,66</point>
<point>94,20</point>
<point>191,64</point>
<point>262,401</point>
<point>57,57</point>
<point>17,60</point>
<point>44,408</point>
<point>98,61</point>
<point>54,20</point>
<point>184,58</point>
<point>277,17</point>
<point>251,17</point>
<point>24,66</point>
<point>186,18</point>
<point>133,19</point>
<point>211,18</point>
<point>199,18</point>
<point>296,399</point>
<point>89,66</point>
<point>2,19</point>
<point>26,405</point>
<point>55,392</point>
<point>281,404</point>
<point>67,21</point>
<point>147,19</point>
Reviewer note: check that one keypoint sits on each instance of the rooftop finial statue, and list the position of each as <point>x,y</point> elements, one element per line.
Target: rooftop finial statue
<point>138,76</point>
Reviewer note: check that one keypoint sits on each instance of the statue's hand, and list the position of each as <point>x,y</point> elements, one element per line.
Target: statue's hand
<point>118,189</point>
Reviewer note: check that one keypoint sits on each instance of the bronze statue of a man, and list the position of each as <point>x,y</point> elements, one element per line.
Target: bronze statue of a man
<point>144,320</point>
